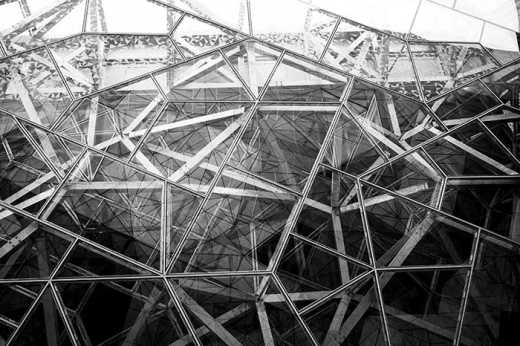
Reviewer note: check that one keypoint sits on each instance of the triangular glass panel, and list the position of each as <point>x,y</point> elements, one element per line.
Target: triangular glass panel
<point>297,80</point>
<point>504,124</point>
<point>114,205</point>
<point>494,301</point>
<point>282,141</point>
<point>194,36</point>
<point>254,62</point>
<point>91,62</point>
<point>28,250</point>
<point>207,79</point>
<point>471,150</point>
<point>404,233</point>
<point>141,16</point>
<point>239,218</point>
<point>423,307</point>
<point>224,310</point>
<point>44,326</point>
<point>444,66</point>
<point>59,21</point>
<point>145,313</point>
<point>114,120</point>
<point>414,175</point>
<point>373,55</point>
<point>189,141</point>
<point>32,88</point>
<point>390,118</point>
<point>331,215</point>
<point>351,317</point>
<point>464,103</point>
<point>310,273</point>
<point>306,33</point>
<point>494,203</point>
<point>504,83</point>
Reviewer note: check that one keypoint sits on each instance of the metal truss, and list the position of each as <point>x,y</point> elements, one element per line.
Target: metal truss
<point>239,187</point>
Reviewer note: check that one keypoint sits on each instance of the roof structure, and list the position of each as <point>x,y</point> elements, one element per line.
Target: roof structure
<point>279,175</point>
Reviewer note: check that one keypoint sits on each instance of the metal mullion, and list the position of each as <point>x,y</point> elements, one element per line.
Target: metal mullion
<point>484,84</point>
<point>122,33</point>
<point>435,117</point>
<point>421,268</point>
<point>330,250</point>
<point>149,129</point>
<point>415,72</point>
<point>412,23</point>
<point>221,167</point>
<point>60,74</point>
<point>22,281</point>
<point>107,278</point>
<point>249,17</point>
<point>319,302</point>
<point>337,170</point>
<point>379,292</point>
<point>175,25</point>
<point>467,288</point>
<point>85,16</point>
<point>230,65</point>
<point>293,308</point>
<point>190,275</point>
<point>60,305</point>
<point>182,312</point>
<point>329,41</point>
<point>486,50</point>
<point>177,48</point>
<point>71,108</point>
<point>442,193</point>
<point>165,228</point>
